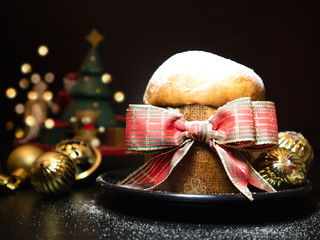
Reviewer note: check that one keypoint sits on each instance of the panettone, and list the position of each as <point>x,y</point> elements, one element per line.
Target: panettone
<point>196,83</point>
<point>202,78</point>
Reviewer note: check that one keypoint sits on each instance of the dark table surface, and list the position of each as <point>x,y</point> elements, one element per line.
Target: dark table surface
<point>89,211</point>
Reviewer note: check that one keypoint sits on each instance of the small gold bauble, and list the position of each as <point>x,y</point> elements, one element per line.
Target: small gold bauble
<point>53,172</point>
<point>282,168</point>
<point>86,157</point>
<point>23,157</point>
<point>19,164</point>
<point>298,144</point>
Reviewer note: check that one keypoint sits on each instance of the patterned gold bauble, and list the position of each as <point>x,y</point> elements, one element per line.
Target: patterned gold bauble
<point>53,172</point>
<point>86,158</point>
<point>282,168</point>
<point>297,143</point>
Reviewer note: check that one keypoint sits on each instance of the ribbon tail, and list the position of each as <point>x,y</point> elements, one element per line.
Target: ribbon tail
<point>157,170</point>
<point>240,172</point>
<point>255,179</point>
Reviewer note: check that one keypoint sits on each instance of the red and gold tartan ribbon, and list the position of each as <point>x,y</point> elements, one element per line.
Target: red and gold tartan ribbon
<point>240,124</point>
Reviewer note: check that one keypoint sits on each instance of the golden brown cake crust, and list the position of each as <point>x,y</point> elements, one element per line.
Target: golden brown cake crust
<point>202,78</point>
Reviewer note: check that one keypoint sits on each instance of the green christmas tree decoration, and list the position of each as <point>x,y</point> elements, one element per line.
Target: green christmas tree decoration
<point>89,83</point>
<point>90,93</point>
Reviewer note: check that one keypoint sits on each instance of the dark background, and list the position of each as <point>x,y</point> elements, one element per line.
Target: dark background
<point>278,39</point>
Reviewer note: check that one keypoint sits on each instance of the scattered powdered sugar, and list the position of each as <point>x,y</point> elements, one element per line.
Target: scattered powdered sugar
<point>87,218</point>
<point>90,208</point>
<point>89,215</point>
<point>200,63</point>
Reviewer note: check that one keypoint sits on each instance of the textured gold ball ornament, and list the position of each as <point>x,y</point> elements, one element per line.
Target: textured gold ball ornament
<point>53,173</point>
<point>86,157</point>
<point>297,143</point>
<point>282,168</point>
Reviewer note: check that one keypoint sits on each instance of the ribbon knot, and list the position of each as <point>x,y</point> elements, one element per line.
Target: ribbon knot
<point>240,124</point>
<point>199,130</point>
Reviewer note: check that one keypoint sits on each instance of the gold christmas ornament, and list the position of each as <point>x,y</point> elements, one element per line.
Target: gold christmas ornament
<point>19,164</point>
<point>282,168</point>
<point>297,143</point>
<point>23,157</point>
<point>86,157</point>
<point>53,173</point>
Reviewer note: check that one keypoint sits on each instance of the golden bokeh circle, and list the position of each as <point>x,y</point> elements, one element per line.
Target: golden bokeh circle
<point>19,133</point>
<point>30,121</point>
<point>95,142</point>
<point>19,108</point>
<point>32,95</point>
<point>47,95</point>
<point>49,77</point>
<point>43,50</point>
<point>101,129</point>
<point>119,96</point>
<point>35,78</point>
<point>106,78</point>
<point>24,83</point>
<point>49,123</point>
<point>26,68</point>
<point>11,93</point>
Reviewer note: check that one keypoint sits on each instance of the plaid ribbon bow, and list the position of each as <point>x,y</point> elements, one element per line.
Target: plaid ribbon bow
<point>240,124</point>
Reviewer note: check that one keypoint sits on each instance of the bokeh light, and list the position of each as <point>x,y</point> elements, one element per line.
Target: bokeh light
<point>101,129</point>
<point>30,120</point>
<point>119,96</point>
<point>19,108</point>
<point>95,142</point>
<point>49,123</point>
<point>26,68</point>
<point>11,93</point>
<point>49,77</point>
<point>47,95</point>
<point>86,120</point>
<point>24,83</point>
<point>32,95</point>
<point>9,125</point>
<point>35,78</point>
<point>19,133</point>
<point>43,50</point>
<point>73,119</point>
<point>106,78</point>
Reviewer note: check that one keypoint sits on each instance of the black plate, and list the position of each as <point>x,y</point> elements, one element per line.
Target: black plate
<point>110,179</point>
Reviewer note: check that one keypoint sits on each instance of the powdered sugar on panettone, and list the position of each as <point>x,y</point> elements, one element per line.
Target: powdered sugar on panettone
<point>206,67</point>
